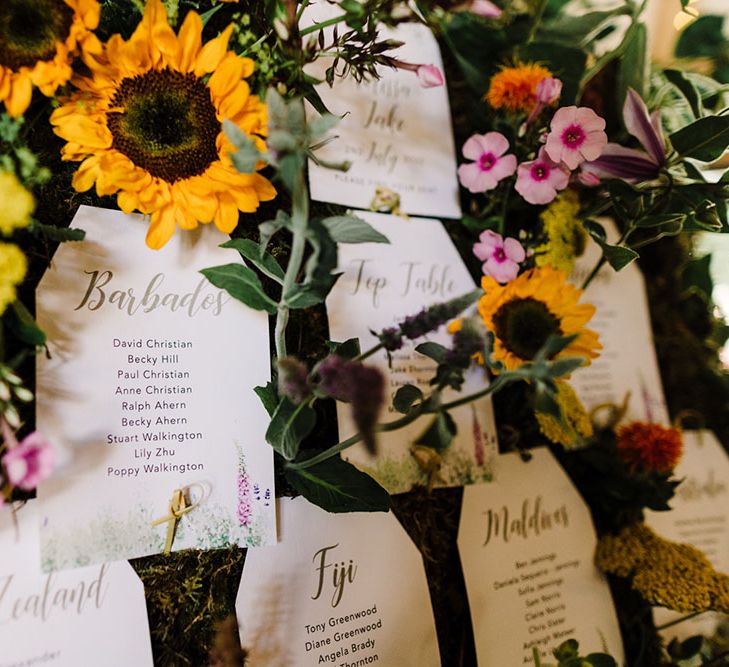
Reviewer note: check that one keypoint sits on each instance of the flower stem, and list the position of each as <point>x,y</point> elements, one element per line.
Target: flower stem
<point>299,224</point>
<point>427,406</point>
<point>538,13</point>
<point>324,24</point>
<point>370,352</point>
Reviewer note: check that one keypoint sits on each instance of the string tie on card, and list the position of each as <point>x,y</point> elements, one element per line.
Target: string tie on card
<point>180,505</point>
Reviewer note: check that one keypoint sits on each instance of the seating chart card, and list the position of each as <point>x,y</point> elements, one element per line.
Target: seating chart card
<point>527,545</point>
<point>699,516</point>
<point>380,284</point>
<point>628,361</point>
<point>396,134</point>
<point>145,357</point>
<point>90,616</point>
<point>340,589</point>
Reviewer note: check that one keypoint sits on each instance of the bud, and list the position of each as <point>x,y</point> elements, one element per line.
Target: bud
<point>549,91</point>
<point>430,76</point>
<point>486,9</point>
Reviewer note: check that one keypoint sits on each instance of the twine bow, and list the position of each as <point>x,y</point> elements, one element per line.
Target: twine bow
<point>179,506</point>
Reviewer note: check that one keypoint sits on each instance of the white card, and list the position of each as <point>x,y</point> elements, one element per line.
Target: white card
<point>148,390</point>
<point>89,616</point>
<point>627,362</point>
<point>699,516</point>
<point>527,545</point>
<point>340,589</point>
<point>383,283</point>
<point>395,133</point>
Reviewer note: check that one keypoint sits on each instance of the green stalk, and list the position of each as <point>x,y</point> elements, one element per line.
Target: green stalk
<point>538,14</point>
<point>299,223</point>
<point>427,406</point>
<point>324,24</point>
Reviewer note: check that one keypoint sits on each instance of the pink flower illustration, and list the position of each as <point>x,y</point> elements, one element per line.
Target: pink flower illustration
<point>490,165</point>
<point>576,135</point>
<point>429,76</point>
<point>30,462</point>
<point>500,256</point>
<point>539,180</point>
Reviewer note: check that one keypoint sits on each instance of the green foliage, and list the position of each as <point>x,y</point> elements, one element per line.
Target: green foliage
<point>439,434</point>
<point>351,229</point>
<point>405,396</point>
<point>687,88</point>
<point>242,284</point>
<point>704,38</point>
<point>566,62</point>
<point>568,655</point>
<point>290,424</point>
<point>263,261</point>
<point>704,140</point>
<point>337,486</point>
<point>617,256</point>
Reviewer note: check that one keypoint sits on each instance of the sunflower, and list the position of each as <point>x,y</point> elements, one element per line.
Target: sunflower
<point>38,39</point>
<point>515,88</point>
<point>527,310</point>
<point>147,124</point>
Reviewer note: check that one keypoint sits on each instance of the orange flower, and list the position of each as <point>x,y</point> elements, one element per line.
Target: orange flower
<point>651,447</point>
<point>38,39</point>
<point>515,88</point>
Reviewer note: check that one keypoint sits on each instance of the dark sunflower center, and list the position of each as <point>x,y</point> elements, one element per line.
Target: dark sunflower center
<point>523,326</point>
<point>29,30</point>
<point>167,125</point>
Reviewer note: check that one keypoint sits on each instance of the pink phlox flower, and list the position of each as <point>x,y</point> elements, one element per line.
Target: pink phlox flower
<point>490,164</point>
<point>500,256</point>
<point>30,462</point>
<point>539,180</point>
<point>430,76</point>
<point>486,9</point>
<point>633,165</point>
<point>577,134</point>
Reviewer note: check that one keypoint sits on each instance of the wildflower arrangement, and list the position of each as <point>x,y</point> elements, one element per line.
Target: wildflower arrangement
<point>193,113</point>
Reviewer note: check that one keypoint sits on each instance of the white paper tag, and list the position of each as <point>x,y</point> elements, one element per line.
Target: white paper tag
<point>627,362</point>
<point>395,133</point>
<point>90,616</point>
<point>381,284</point>
<point>699,516</point>
<point>527,546</point>
<point>148,389</point>
<point>340,589</point>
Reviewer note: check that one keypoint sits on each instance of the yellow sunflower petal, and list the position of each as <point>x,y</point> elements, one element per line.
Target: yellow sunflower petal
<point>213,53</point>
<point>161,228</point>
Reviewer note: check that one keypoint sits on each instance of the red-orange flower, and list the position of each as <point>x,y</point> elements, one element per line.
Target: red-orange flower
<point>651,447</point>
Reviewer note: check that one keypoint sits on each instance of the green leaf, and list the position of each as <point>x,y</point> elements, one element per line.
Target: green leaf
<point>321,125</point>
<point>633,64</point>
<point>251,251</point>
<point>687,89</point>
<point>349,349</point>
<point>242,284</point>
<point>705,140</point>
<point>704,38</point>
<point>22,324</point>
<point>351,229</point>
<point>290,424</point>
<point>618,256</point>
<point>546,403</point>
<point>405,396</point>
<point>670,219</point>
<point>553,346</point>
<point>247,155</point>
<point>435,351</point>
<point>305,296</point>
<point>206,16</point>
<point>58,234</point>
<point>578,29</point>
<point>566,650</point>
<point>337,486</point>
<point>270,227</point>
<point>269,397</point>
<point>439,434</point>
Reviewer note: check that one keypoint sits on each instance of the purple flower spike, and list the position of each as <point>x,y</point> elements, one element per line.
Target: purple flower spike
<point>644,127</point>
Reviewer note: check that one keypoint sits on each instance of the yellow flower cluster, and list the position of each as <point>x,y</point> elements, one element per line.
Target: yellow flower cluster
<point>566,235</point>
<point>576,424</point>
<point>16,203</point>
<point>13,266</point>
<point>666,574</point>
